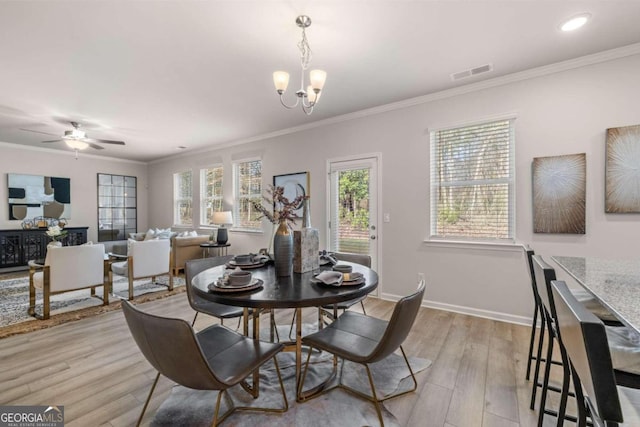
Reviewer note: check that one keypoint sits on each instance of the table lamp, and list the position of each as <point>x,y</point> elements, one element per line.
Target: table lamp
<point>222,219</point>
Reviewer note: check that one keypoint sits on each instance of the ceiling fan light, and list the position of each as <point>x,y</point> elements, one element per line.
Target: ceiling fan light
<point>76,144</point>
<point>317,79</point>
<point>281,81</point>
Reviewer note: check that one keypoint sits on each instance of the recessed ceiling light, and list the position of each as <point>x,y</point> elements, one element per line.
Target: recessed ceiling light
<point>575,22</point>
<point>181,147</point>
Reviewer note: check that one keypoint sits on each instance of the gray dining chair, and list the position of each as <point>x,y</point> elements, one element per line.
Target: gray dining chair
<point>364,339</point>
<point>331,311</point>
<point>201,305</point>
<point>215,358</point>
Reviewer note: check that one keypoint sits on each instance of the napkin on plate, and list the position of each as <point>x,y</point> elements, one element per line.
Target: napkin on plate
<point>330,277</point>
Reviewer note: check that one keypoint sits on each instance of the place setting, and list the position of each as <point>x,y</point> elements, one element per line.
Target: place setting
<point>340,275</point>
<point>248,261</point>
<point>237,280</point>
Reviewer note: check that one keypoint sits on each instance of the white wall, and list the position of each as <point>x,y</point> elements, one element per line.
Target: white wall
<point>562,113</point>
<point>84,181</point>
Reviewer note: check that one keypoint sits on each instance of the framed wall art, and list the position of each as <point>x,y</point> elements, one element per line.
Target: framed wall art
<point>294,184</point>
<point>559,194</point>
<point>33,196</point>
<point>622,174</point>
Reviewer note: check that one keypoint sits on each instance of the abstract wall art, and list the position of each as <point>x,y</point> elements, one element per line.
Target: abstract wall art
<point>559,194</point>
<point>622,170</point>
<point>33,196</point>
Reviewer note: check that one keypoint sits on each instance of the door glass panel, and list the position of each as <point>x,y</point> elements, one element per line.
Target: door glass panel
<point>353,211</point>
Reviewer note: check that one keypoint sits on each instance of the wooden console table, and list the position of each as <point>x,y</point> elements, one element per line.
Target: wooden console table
<point>17,247</point>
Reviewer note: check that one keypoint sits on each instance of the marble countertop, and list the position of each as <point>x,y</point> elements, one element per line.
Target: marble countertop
<point>615,283</point>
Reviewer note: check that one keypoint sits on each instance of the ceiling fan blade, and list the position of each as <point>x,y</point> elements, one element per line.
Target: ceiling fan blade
<point>53,140</point>
<point>37,131</point>
<point>103,141</point>
<point>96,146</point>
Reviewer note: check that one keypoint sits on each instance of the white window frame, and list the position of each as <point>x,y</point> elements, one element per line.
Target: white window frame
<point>176,199</point>
<point>510,181</point>
<point>237,197</point>
<point>204,200</point>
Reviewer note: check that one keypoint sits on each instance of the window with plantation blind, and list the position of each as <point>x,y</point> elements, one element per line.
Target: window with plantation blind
<point>247,189</point>
<point>472,182</point>
<point>210,193</point>
<point>182,198</point>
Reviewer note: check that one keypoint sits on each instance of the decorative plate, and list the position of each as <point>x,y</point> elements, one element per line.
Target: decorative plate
<point>234,264</point>
<point>218,287</point>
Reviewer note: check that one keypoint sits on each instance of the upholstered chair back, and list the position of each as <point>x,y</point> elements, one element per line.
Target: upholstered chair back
<point>150,257</point>
<point>404,314</point>
<point>355,258</point>
<point>171,347</point>
<point>72,267</point>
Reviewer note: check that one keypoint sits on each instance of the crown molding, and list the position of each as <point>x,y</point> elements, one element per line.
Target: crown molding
<point>81,154</point>
<point>583,61</point>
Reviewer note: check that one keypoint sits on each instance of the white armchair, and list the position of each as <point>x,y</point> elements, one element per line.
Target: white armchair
<point>65,269</point>
<point>148,258</point>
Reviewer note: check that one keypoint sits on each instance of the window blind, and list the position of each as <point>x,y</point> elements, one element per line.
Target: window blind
<point>182,198</point>
<point>248,189</point>
<point>472,176</point>
<point>210,193</point>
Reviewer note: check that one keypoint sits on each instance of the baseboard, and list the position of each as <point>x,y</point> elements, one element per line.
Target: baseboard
<point>493,315</point>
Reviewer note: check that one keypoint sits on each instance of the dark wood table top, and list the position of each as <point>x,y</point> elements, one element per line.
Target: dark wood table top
<point>293,291</point>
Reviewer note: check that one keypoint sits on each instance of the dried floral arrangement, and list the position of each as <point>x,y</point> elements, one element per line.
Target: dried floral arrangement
<point>283,208</point>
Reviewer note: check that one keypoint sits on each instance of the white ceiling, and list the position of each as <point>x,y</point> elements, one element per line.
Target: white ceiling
<point>162,74</point>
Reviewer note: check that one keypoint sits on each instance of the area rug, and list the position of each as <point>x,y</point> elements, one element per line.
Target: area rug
<point>190,407</point>
<point>14,302</point>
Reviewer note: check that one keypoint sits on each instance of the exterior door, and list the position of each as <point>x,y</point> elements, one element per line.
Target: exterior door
<point>353,195</point>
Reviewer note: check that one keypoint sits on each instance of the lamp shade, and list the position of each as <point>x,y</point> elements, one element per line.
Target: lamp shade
<point>281,80</point>
<point>76,144</point>
<point>317,78</point>
<point>222,218</point>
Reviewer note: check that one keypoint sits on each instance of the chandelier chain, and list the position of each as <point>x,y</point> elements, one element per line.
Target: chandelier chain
<point>305,51</point>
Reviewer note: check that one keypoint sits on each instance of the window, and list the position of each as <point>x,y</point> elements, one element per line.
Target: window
<point>247,189</point>
<point>117,207</point>
<point>210,193</point>
<point>472,181</point>
<point>182,198</point>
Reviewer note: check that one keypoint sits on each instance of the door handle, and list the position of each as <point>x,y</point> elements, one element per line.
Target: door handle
<point>373,237</point>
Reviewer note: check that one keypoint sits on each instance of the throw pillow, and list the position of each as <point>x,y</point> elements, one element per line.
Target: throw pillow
<point>137,236</point>
<point>150,234</point>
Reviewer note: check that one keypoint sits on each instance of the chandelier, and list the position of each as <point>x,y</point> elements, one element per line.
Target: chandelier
<point>306,98</point>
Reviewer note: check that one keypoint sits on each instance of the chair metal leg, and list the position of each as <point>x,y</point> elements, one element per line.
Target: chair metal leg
<point>536,372</point>
<point>376,402</point>
<point>566,376</point>
<point>194,319</point>
<point>146,403</point>
<point>547,374</point>
<point>363,309</point>
<point>532,340</point>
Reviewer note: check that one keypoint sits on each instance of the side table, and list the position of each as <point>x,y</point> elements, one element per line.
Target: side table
<point>220,249</point>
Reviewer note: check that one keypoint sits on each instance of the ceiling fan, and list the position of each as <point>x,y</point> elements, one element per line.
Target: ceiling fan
<point>78,140</point>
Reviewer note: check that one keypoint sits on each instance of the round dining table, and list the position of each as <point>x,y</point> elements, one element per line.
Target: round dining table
<point>296,291</point>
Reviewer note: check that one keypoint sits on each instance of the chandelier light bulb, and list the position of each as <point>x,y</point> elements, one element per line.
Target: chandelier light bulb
<point>317,78</point>
<point>312,96</point>
<point>281,81</point>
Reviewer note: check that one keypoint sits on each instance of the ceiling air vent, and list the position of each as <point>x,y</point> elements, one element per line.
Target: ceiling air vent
<point>472,72</point>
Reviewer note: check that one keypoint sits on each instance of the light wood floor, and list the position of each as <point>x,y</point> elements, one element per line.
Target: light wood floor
<point>95,370</point>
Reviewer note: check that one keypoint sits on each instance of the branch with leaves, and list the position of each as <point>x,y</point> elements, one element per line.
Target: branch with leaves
<point>283,208</point>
